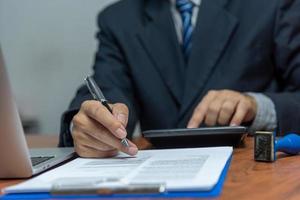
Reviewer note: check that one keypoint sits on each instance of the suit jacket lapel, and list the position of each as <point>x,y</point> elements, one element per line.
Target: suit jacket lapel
<point>212,32</point>
<point>158,37</point>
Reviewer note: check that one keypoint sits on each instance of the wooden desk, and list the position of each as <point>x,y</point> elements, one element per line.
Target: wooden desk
<point>246,178</point>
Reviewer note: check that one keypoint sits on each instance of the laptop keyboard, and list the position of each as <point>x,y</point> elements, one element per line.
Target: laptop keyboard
<point>38,160</point>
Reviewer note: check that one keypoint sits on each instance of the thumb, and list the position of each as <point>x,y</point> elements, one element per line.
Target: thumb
<point>120,112</point>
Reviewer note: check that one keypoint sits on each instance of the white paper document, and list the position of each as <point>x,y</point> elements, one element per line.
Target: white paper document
<point>197,169</point>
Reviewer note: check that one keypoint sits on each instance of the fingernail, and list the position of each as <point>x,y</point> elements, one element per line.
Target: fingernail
<point>233,124</point>
<point>121,117</point>
<point>121,132</point>
<point>132,150</point>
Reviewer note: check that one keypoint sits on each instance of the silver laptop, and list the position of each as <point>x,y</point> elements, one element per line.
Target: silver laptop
<point>16,160</point>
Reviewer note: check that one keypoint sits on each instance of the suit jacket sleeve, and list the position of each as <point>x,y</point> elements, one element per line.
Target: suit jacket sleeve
<point>287,61</point>
<point>112,73</point>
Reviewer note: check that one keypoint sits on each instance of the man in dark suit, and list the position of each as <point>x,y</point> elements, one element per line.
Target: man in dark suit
<point>181,63</point>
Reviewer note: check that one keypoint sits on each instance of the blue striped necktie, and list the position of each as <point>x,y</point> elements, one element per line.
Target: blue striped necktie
<point>185,8</point>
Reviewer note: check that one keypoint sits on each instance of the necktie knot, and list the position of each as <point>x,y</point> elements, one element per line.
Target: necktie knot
<point>184,6</point>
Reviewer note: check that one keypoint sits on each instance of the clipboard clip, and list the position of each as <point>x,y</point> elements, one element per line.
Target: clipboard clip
<point>105,186</point>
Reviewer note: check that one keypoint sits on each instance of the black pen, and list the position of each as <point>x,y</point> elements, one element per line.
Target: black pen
<point>98,95</point>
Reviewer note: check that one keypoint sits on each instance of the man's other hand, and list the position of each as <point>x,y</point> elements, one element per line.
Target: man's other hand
<point>224,107</point>
<point>97,132</point>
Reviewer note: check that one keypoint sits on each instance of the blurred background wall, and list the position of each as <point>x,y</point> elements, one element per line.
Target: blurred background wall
<point>49,48</point>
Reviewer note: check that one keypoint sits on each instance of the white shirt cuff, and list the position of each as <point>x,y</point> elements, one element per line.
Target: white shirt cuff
<point>265,118</point>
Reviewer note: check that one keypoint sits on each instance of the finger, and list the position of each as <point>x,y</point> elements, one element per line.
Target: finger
<point>213,111</point>
<point>97,145</point>
<point>133,150</point>
<point>102,134</point>
<point>84,124</point>
<point>240,113</point>
<point>111,140</point>
<point>86,139</point>
<point>252,108</point>
<point>200,110</point>
<point>100,113</point>
<point>120,111</point>
<point>89,152</point>
<point>227,111</point>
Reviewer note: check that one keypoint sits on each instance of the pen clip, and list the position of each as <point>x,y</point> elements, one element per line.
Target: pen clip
<point>87,83</point>
<point>94,89</point>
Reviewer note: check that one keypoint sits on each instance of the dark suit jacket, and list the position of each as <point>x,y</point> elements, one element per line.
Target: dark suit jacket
<point>239,45</point>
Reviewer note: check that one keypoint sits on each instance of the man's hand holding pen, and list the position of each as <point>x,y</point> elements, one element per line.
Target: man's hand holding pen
<point>99,128</point>
<point>97,132</point>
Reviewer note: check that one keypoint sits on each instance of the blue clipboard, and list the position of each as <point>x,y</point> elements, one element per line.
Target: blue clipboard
<point>215,192</point>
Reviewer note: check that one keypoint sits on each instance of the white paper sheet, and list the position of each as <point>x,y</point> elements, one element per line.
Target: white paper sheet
<point>179,169</point>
